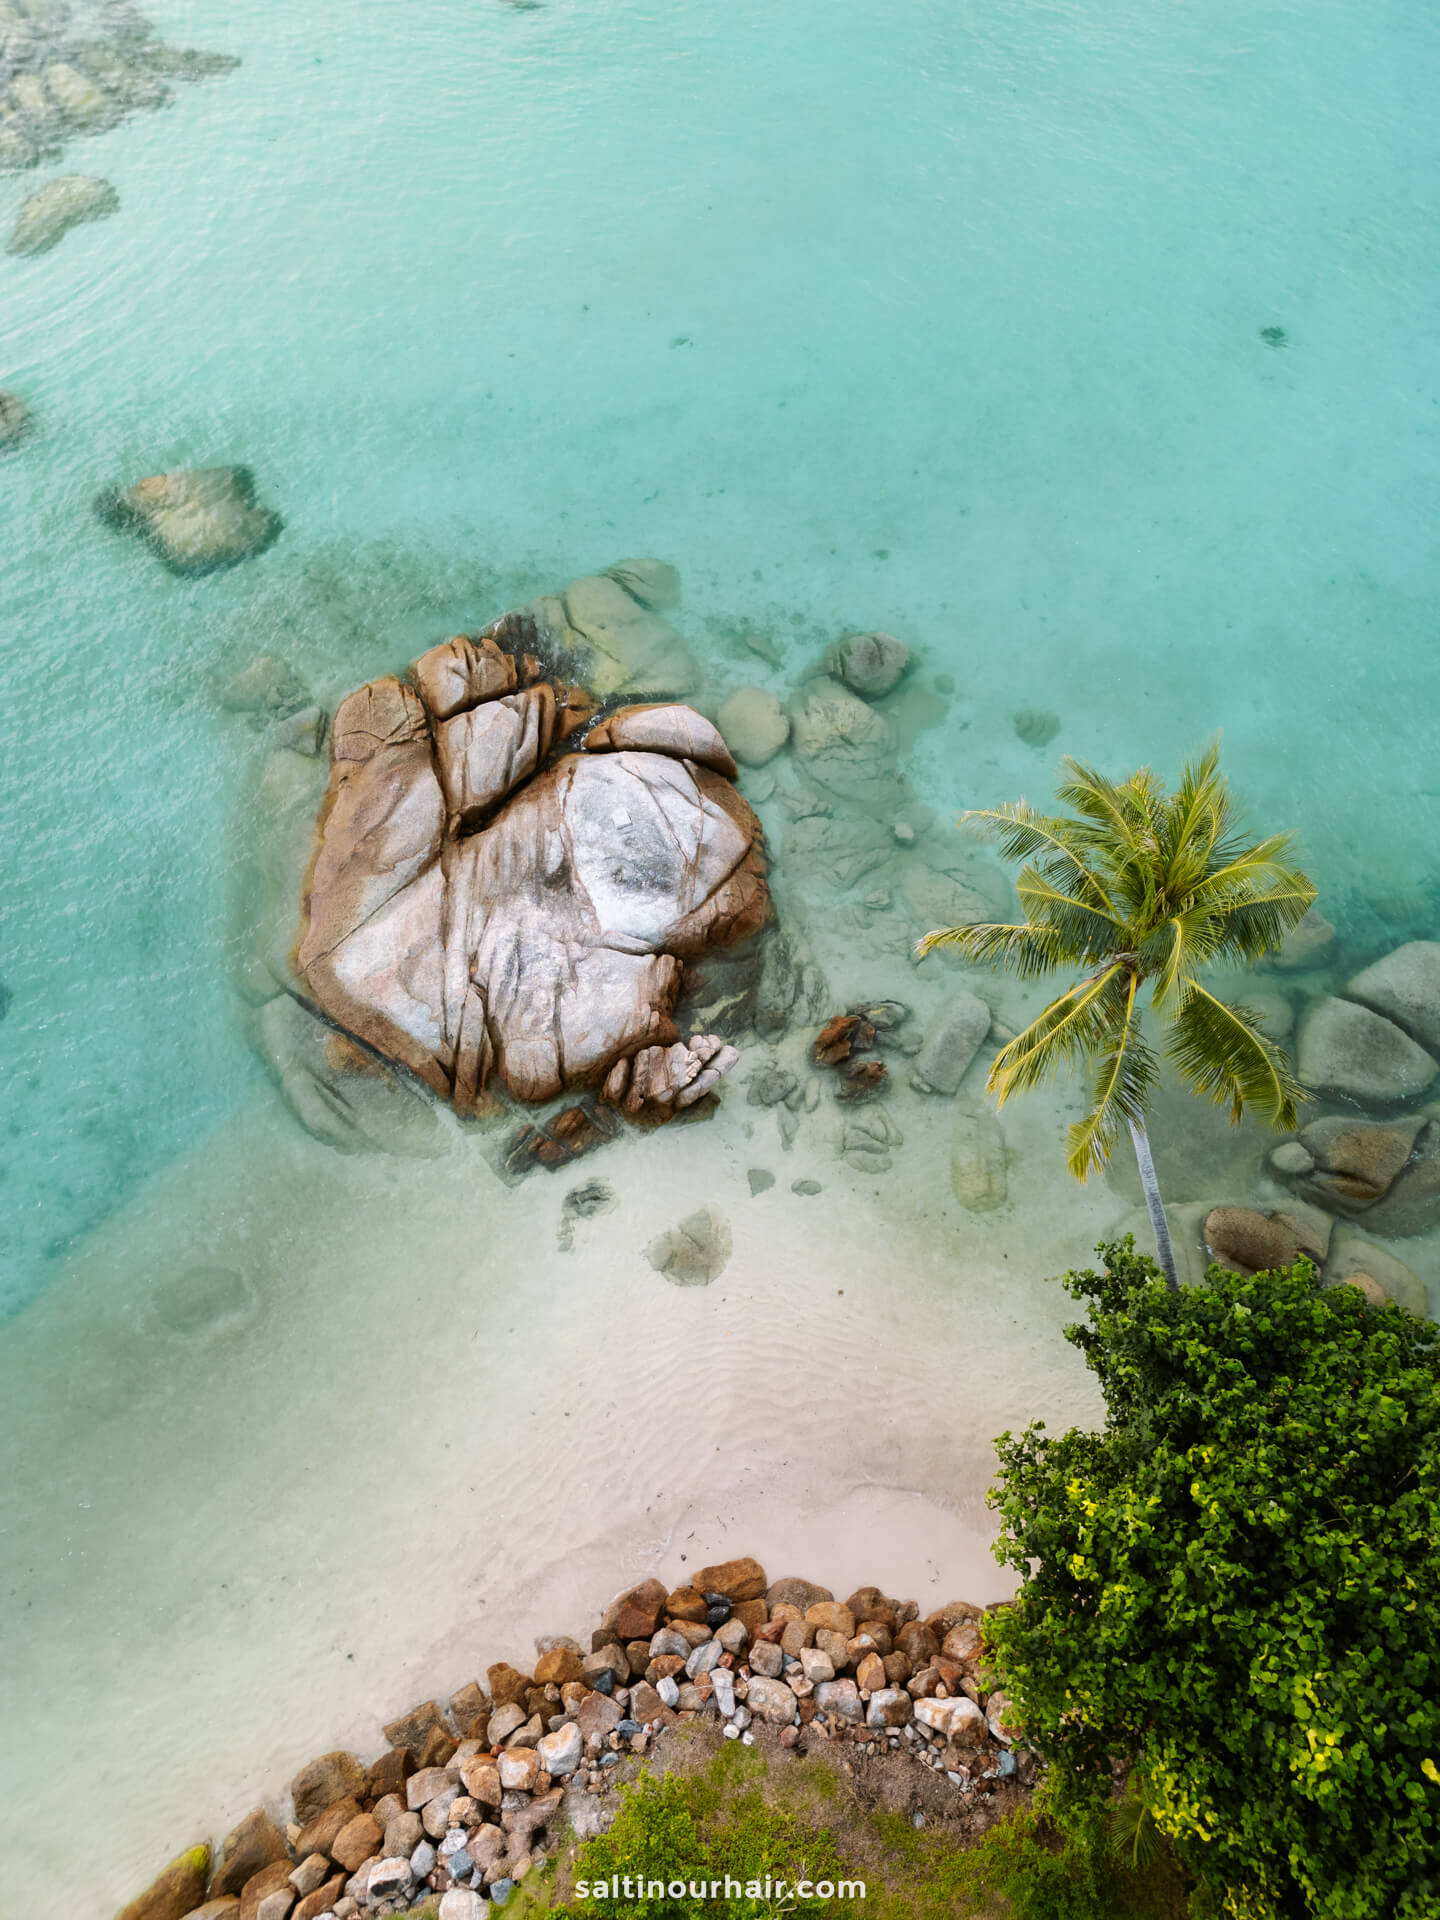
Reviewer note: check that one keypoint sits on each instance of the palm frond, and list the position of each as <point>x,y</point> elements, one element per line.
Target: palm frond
<point>1124,1076</point>
<point>1077,1025</point>
<point>1181,943</point>
<point>1254,924</point>
<point>1029,951</point>
<point>1087,931</point>
<point>1025,834</point>
<point>1118,809</point>
<point>1197,818</point>
<point>1220,1051</point>
<point>1254,869</point>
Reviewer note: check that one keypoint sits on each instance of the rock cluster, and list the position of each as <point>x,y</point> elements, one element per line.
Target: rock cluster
<point>71,70</point>
<point>465,1800</point>
<point>480,907</point>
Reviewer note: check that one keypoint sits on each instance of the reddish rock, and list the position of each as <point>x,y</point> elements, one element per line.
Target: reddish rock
<point>658,1082</point>
<point>272,1879</point>
<point>738,1580</point>
<point>319,1836</point>
<point>646,1705</point>
<point>838,1039</point>
<point>862,1080</point>
<point>663,1667</point>
<point>596,1716</point>
<point>637,1613</point>
<point>356,1841</point>
<point>323,1900</point>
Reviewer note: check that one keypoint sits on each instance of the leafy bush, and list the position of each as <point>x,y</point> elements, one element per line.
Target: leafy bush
<point>1237,1585</point>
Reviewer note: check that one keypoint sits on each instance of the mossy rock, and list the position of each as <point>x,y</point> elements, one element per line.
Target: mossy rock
<point>178,1891</point>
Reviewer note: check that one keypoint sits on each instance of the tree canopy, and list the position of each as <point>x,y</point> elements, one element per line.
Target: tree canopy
<point>1235,1586</point>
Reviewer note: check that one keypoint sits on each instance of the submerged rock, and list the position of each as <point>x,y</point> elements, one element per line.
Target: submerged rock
<point>339,1091</point>
<point>1353,1163</point>
<point>754,725</point>
<point>15,421</point>
<point>197,520</point>
<point>694,1253</point>
<point>977,1162</point>
<point>178,1891</point>
<point>872,664</point>
<point>951,1044</point>
<point>1405,987</point>
<point>1036,729</point>
<point>1250,1240</point>
<point>548,946</point>
<point>1347,1050</point>
<point>620,643</point>
<point>52,210</point>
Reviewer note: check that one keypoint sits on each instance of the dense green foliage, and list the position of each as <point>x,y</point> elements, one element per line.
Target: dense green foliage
<point>1139,888</point>
<point>1236,1585</point>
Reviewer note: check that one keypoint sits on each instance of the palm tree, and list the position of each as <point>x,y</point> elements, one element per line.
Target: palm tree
<point>1144,887</point>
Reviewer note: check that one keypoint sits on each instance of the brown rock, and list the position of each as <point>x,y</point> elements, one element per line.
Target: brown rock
<point>412,1729</point>
<point>839,1038</point>
<point>919,1641</point>
<point>869,1603</point>
<point>637,1612</point>
<point>508,1686</point>
<point>425,1785</point>
<point>470,1709</point>
<point>951,1615</point>
<point>390,1772</point>
<point>356,1841</point>
<point>870,1673</point>
<point>675,730</point>
<point>793,1592</point>
<point>834,1616</point>
<point>226,1908</point>
<point>462,672</point>
<point>685,1603</point>
<point>272,1879</point>
<point>481,1778</point>
<point>837,1645</point>
<point>1251,1240</point>
<point>323,1900</point>
<point>646,1705</point>
<point>795,1635</point>
<point>750,1613</point>
<point>962,1644</point>
<point>439,1745</point>
<point>334,1776</point>
<point>596,1716</point>
<point>254,1844</point>
<point>319,1836</point>
<point>1358,1161</point>
<point>663,1667</point>
<point>177,1892</point>
<point>898,1669</point>
<point>557,1667</point>
<point>736,1579</point>
<point>1413,1203</point>
<point>658,1082</point>
<point>877,1633</point>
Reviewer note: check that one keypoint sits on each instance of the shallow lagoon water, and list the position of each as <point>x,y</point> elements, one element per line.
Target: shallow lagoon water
<point>944,320</point>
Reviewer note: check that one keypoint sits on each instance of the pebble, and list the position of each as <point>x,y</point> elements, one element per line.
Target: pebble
<point>667,1690</point>
<point>422,1861</point>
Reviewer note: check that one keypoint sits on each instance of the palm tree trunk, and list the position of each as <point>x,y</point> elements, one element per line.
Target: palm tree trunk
<point>1155,1205</point>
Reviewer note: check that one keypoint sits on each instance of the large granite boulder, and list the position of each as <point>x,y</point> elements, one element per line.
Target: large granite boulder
<point>198,520</point>
<point>1354,1163</point>
<point>479,910</point>
<point>1405,987</point>
<point>48,214</point>
<point>1349,1051</point>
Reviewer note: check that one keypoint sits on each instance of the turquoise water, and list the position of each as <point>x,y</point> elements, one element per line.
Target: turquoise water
<point>936,317</point>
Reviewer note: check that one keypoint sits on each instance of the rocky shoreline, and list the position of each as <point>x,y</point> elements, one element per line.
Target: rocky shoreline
<point>469,1798</point>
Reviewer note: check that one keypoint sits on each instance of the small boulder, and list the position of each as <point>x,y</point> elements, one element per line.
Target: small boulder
<point>951,1044</point>
<point>871,664</point>
<point>197,520</point>
<point>754,725</point>
<point>742,1579</point>
<point>693,1253</point>
<point>1350,1052</point>
<point>772,1701</point>
<point>889,1707</point>
<point>1353,1259</point>
<point>334,1776</point>
<point>1304,944</point>
<point>1035,729</point>
<point>1354,1163</point>
<point>1246,1238</point>
<point>254,1844</point>
<point>794,1592</point>
<point>1405,987</point>
<point>49,213</point>
<point>177,1892</point>
<point>959,1719</point>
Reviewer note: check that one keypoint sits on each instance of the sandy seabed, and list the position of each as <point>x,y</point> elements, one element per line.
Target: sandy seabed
<point>429,1435</point>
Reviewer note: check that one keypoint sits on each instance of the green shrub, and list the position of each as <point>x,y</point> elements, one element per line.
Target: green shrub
<point>1237,1585</point>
